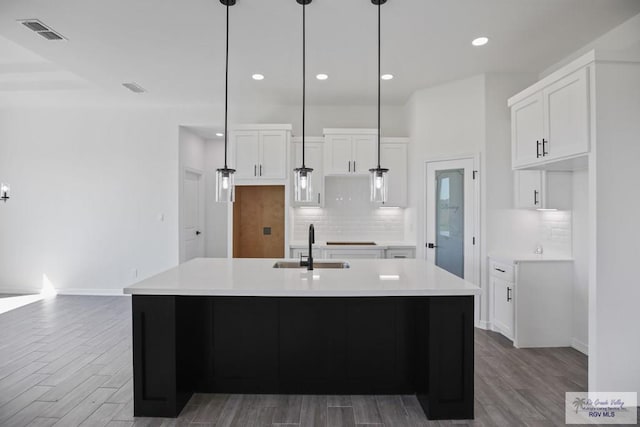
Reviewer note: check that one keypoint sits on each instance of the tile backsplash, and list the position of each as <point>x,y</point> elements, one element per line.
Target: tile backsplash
<point>349,215</point>
<point>555,232</point>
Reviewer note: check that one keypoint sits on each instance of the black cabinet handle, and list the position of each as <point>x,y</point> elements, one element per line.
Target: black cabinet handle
<point>509,294</point>
<point>500,270</point>
<point>538,149</point>
<point>535,197</point>
<point>198,233</point>
<point>254,170</point>
<point>349,165</point>
<point>260,170</point>
<point>544,147</point>
<point>354,165</point>
<point>318,198</point>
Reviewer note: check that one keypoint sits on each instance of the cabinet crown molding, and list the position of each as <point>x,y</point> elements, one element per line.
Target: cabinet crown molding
<point>269,126</point>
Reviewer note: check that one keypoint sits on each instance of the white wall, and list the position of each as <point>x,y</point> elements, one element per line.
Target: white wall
<point>623,38</point>
<point>216,213</point>
<point>444,121</point>
<point>90,185</point>
<point>614,346</point>
<point>581,260</point>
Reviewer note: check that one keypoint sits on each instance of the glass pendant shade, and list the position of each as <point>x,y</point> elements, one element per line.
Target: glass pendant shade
<point>302,185</point>
<point>225,185</point>
<point>379,183</point>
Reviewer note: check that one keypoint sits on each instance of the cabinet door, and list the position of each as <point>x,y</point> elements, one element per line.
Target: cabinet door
<point>246,154</point>
<point>528,189</point>
<point>527,130</point>
<point>314,158</point>
<point>338,155</point>
<point>566,116</point>
<point>365,153</point>
<point>394,158</point>
<point>273,155</point>
<point>503,312</point>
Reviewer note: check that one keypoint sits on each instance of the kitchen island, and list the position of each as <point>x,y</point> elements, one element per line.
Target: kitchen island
<point>242,326</point>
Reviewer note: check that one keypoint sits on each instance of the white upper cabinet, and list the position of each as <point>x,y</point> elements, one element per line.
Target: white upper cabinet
<point>526,130</point>
<point>550,121</point>
<point>566,117</point>
<point>259,152</point>
<point>528,189</point>
<point>537,189</point>
<point>394,157</point>
<point>350,151</point>
<point>246,153</point>
<point>273,154</point>
<point>314,158</point>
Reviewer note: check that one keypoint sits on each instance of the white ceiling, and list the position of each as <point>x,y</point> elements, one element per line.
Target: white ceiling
<point>175,49</point>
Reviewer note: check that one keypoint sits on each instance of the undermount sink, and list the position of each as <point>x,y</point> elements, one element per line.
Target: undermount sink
<point>316,264</point>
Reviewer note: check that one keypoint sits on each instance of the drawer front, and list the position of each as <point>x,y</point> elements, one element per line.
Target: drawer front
<point>400,253</point>
<point>502,271</point>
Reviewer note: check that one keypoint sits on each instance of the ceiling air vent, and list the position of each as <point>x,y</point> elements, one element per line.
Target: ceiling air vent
<point>41,29</point>
<point>134,87</point>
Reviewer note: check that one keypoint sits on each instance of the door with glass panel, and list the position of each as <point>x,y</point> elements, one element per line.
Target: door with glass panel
<point>450,216</point>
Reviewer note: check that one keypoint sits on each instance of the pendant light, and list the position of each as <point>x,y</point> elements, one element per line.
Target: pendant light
<point>379,175</point>
<point>302,175</point>
<point>224,176</point>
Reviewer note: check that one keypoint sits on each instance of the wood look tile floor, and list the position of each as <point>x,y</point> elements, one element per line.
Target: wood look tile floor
<point>67,362</point>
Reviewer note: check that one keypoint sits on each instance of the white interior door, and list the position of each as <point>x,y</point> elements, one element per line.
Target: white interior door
<point>193,216</point>
<point>451,217</point>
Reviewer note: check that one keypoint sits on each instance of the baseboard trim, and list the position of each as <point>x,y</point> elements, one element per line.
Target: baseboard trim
<point>92,292</point>
<point>483,324</point>
<point>580,346</point>
<point>16,291</point>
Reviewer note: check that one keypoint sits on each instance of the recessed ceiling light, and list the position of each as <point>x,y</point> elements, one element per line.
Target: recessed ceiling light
<point>322,77</point>
<point>219,134</point>
<point>257,77</point>
<point>480,41</point>
<point>386,76</point>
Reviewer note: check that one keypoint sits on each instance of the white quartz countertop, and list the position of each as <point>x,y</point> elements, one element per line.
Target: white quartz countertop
<point>525,257</point>
<point>257,277</point>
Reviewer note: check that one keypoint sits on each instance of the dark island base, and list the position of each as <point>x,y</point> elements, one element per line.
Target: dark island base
<point>280,345</point>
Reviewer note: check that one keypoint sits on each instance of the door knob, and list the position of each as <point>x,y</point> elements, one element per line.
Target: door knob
<point>198,233</point>
<point>431,245</point>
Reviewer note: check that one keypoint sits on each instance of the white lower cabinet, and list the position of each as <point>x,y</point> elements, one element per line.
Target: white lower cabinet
<point>354,253</point>
<point>503,307</point>
<point>298,252</point>
<point>532,301</point>
<point>396,253</point>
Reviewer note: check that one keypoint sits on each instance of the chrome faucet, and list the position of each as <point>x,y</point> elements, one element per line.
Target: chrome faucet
<point>312,240</point>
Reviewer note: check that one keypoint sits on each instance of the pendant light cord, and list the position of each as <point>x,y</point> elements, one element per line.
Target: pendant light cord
<point>304,73</point>
<point>226,90</point>
<point>379,78</point>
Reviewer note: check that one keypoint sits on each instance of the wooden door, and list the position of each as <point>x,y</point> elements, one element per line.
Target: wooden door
<point>258,221</point>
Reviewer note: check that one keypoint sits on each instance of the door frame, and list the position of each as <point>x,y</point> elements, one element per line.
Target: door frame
<point>475,221</point>
<point>202,211</point>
